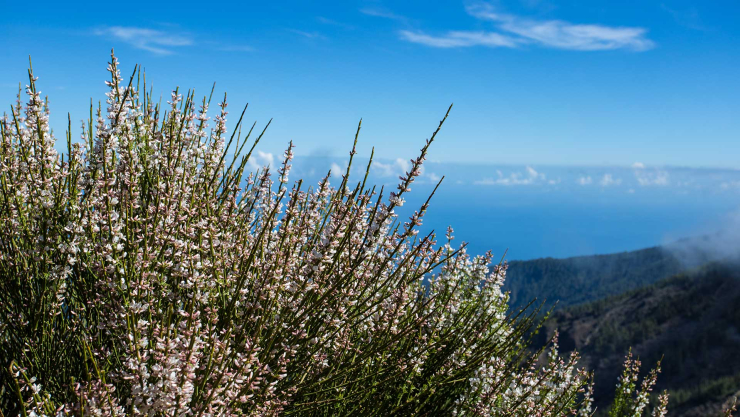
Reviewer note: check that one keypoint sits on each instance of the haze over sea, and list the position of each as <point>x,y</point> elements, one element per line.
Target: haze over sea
<point>552,211</point>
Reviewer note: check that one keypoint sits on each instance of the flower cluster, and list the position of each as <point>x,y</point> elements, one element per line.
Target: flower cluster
<point>629,401</point>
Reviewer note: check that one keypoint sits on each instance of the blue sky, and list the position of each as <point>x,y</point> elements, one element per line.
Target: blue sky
<point>578,126</point>
<point>533,81</point>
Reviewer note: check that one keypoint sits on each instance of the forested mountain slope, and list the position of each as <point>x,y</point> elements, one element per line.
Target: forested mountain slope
<point>581,279</point>
<point>692,320</point>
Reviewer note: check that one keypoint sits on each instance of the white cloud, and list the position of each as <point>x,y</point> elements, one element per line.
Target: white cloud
<point>262,159</point>
<point>384,170</point>
<point>608,180</point>
<point>336,170</point>
<point>433,177</point>
<point>515,178</point>
<point>645,178</point>
<point>512,31</point>
<point>404,164</point>
<point>532,173</point>
<point>730,184</point>
<point>395,168</point>
<point>638,165</point>
<point>267,157</point>
<point>152,40</point>
<point>584,180</point>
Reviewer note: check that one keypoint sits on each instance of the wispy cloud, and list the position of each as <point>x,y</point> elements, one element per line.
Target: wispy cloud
<point>512,31</point>
<point>456,39</point>
<point>235,48</point>
<point>309,35</point>
<point>153,40</point>
<point>584,180</point>
<point>331,22</point>
<point>382,12</point>
<point>540,5</point>
<point>687,17</point>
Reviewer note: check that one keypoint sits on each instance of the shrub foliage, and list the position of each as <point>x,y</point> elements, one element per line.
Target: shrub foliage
<point>145,272</point>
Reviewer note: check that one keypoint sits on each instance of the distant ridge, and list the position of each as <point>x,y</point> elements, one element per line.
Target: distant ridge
<point>581,279</point>
<point>569,281</point>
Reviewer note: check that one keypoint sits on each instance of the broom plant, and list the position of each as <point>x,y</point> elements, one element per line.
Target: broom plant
<point>146,271</point>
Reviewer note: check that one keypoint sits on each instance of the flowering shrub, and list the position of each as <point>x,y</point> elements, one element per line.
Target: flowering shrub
<point>144,272</point>
<point>628,400</point>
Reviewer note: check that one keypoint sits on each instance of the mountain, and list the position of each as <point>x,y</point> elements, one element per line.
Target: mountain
<point>692,320</point>
<point>581,279</point>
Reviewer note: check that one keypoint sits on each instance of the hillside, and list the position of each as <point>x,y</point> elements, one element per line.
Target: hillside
<point>692,319</point>
<point>581,279</point>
